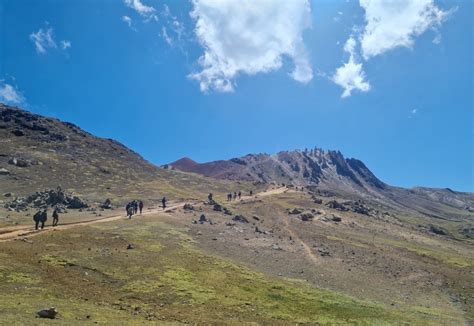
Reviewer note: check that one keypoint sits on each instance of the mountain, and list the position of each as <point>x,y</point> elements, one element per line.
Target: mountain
<point>37,153</point>
<point>331,172</point>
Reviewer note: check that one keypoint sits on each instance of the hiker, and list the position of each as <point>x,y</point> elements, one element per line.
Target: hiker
<point>235,195</point>
<point>37,218</point>
<point>55,216</point>
<point>135,207</point>
<point>163,201</point>
<point>251,193</point>
<point>229,197</point>
<point>43,218</point>
<point>239,194</point>
<point>140,206</point>
<point>210,198</point>
<point>129,210</point>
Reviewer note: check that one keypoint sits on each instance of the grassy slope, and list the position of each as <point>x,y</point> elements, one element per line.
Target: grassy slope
<point>165,278</point>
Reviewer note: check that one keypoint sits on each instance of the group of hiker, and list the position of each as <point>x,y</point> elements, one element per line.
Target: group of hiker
<point>134,207</point>
<point>41,216</point>
<point>236,195</point>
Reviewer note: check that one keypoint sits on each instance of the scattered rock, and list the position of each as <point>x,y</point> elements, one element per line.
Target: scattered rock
<point>130,246</point>
<point>324,252</point>
<point>318,201</point>
<point>276,247</point>
<point>240,218</point>
<point>53,198</point>
<point>295,211</point>
<point>217,207</point>
<point>336,218</point>
<point>202,218</point>
<point>47,313</point>
<point>18,132</point>
<point>306,217</point>
<point>227,211</point>
<point>4,171</point>
<point>7,194</point>
<point>437,230</point>
<point>188,207</point>
<point>334,204</point>
<point>256,218</point>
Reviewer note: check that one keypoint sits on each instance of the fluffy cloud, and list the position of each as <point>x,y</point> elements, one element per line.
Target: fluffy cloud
<point>44,40</point>
<point>146,11</point>
<point>391,24</point>
<point>10,94</point>
<point>351,75</point>
<point>250,37</point>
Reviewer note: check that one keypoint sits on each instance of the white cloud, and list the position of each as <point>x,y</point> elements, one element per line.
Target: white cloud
<point>144,10</point>
<point>250,37</point>
<point>10,94</point>
<point>392,24</point>
<point>351,75</point>
<point>165,36</point>
<point>127,20</point>
<point>43,40</point>
<point>65,44</point>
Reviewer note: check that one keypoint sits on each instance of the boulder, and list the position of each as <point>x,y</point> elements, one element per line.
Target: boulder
<point>50,313</point>
<point>217,207</point>
<point>306,217</point>
<point>4,171</point>
<point>188,207</point>
<point>202,218</point>
<point>18,132</point>
<point>334,204</point>
<point>437,230</point>
<point>240,218</point>
<point>336,218</point>
<point>295,211</point>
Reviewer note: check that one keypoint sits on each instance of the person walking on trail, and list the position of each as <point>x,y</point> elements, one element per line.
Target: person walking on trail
<point>43,218</point>
<point>37,218</point>
<point>251,193</point>
<point>163,201</point>
<point>129,210</point>
<point>229,197</point>
<point>55,216</point>
<point>235,195</point>
<point>140,206</point>
<point>239,194</point>
<point>135,207</point>
<point>210,198</point>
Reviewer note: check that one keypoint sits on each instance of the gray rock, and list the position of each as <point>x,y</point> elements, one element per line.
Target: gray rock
<point>50,313</point>
<point>4,171</point>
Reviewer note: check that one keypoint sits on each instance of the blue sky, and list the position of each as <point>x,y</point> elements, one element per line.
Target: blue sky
<point>273,80</point>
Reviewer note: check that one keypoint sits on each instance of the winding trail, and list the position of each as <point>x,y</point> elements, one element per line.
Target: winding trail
<point>305,246</point>
<point>16,233</point>
<point>23,231</point>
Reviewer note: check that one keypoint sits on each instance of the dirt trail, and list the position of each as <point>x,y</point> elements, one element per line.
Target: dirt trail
<point>13,233</point>
<point>306,248</point>
<point>22,231</point>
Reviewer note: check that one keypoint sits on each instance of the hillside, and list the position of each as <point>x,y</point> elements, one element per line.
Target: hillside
<point>331,172</point>
<point>38,153</point>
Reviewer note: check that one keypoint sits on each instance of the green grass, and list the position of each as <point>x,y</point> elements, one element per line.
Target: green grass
<point>90,273</point>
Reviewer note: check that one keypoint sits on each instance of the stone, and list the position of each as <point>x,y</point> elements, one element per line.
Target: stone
<point>202,218</point>
<point>18,132</point>
<point>4,171</point>
<point>240,218</point>
<point>306,217</point>
<point>47,313</point>
<point>188,207</point>
<point>336,218</point>
<point>295,211</point>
